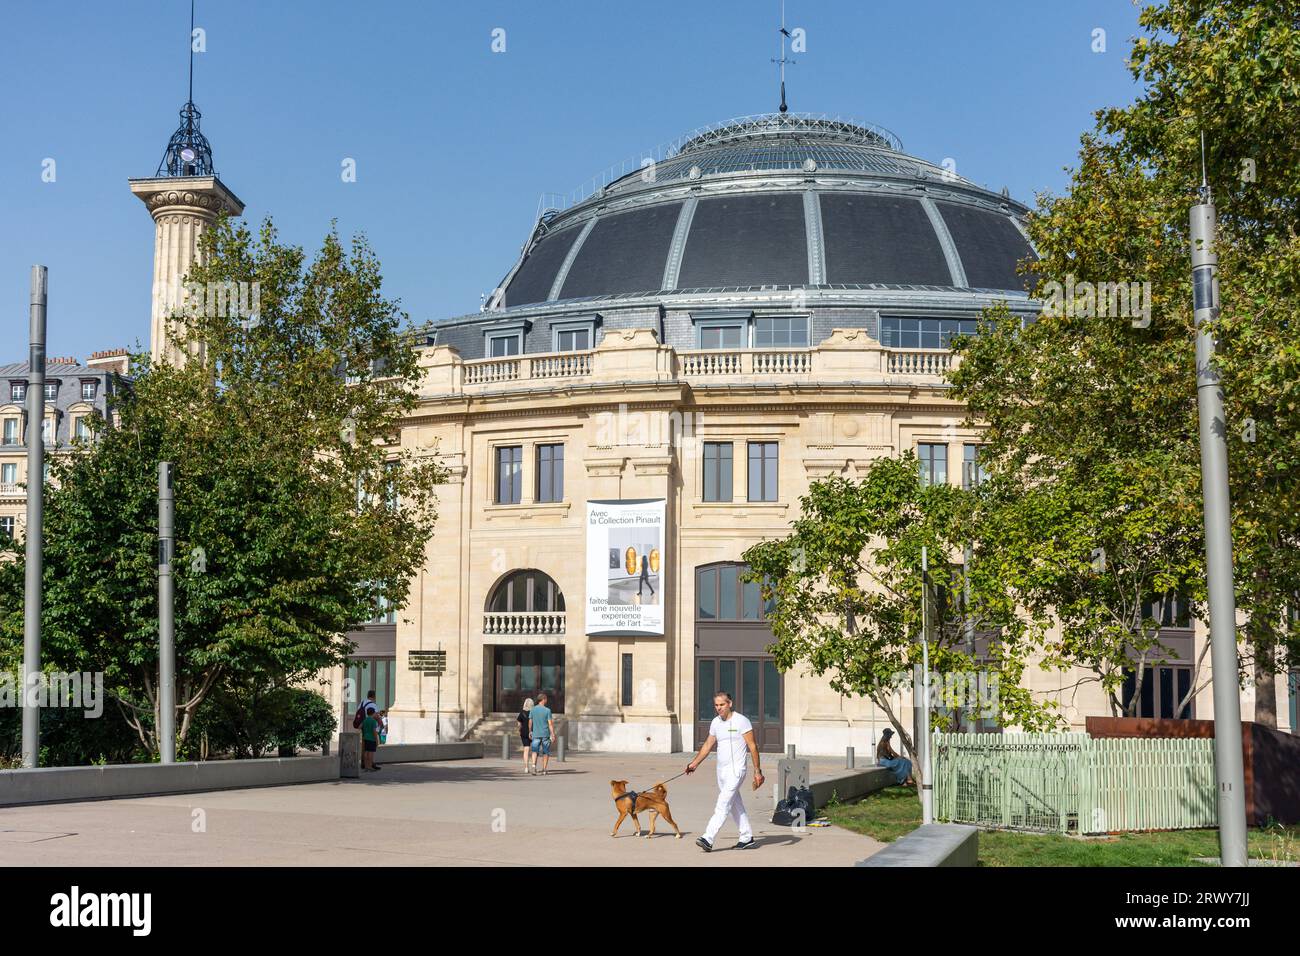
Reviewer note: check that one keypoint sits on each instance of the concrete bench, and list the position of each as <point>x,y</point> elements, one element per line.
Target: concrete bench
<point>850,785</point>
<point>933,844</point>
<point>63,784</point>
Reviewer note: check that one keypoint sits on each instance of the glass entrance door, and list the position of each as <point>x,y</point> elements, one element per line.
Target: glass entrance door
<point>523,672</point>
<point>754,684</point>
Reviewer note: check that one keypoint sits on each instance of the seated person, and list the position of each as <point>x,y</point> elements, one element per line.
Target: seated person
<point>886,757</point>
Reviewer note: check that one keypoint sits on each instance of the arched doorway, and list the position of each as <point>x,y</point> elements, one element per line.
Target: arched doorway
<point>525,602</point>
<point>731,640</point>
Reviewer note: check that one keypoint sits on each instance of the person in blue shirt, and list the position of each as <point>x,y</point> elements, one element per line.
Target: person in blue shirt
<point>541,732</point>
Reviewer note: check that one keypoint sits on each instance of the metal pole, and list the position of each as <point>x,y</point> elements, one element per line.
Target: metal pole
<point>166,620</point>
<point>1218,540</point>
<point>35,517</point>
<point>437,716</point>
<point>927,792</point>
<point>968,622</point>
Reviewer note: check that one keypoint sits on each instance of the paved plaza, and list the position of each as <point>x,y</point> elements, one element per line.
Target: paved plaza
<point>453,813</point>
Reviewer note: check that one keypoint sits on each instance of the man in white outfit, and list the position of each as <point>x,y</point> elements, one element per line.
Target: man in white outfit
<point>734,736</point>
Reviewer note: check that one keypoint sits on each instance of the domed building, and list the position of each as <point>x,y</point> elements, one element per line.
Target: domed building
<point>659,377</point>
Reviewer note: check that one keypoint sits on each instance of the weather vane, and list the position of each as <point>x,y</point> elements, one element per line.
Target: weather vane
<point>188,152</point>
<point>785,35</point>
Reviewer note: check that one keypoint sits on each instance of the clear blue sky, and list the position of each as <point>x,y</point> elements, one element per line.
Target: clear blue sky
<point>454,143</point>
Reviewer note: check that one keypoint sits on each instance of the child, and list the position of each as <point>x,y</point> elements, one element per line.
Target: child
<point>383,726</point>
<point>369,741</point>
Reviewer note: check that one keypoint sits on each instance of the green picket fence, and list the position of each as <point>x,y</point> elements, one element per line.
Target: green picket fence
<point>1073,783</point>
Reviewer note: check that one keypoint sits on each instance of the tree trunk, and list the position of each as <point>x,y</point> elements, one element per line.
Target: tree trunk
<point>1265,695</point>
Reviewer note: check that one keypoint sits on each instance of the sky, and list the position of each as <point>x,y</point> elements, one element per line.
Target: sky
<point>454,142</point>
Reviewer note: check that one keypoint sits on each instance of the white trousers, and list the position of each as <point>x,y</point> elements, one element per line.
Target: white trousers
<point>729,804</point>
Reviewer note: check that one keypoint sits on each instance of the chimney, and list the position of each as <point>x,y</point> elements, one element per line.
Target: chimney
<point>110,360</point>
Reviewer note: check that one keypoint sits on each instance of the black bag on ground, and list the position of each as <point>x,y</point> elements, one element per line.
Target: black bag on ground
<point>796,808</point>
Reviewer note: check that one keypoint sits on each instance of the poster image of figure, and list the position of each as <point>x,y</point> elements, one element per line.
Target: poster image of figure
<point>636,579</point>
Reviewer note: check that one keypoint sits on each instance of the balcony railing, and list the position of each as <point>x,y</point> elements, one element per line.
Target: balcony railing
<point>636,355</point>
<point>920,362</point>
<point>523,622</point>
<point>718,362</point>
<point>522,367</point>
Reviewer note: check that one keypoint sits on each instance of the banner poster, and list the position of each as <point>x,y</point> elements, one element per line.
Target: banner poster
<point>625,567</point>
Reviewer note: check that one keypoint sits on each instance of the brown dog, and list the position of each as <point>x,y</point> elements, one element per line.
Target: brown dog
<point>630,804</point>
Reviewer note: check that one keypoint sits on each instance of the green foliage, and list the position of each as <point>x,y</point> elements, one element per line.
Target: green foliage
<point>848,589</point>
<point>290,528</point>
<point>1094,421</point>
<point>70,738</point>
<point>250,717</point>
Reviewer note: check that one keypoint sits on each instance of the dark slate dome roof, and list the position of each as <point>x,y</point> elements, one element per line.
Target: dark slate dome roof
<point>779,200</point>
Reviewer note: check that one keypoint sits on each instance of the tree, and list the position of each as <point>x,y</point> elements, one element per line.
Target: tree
<point>294,519</point>
<point>848,586</point>
<point>1085,396</point>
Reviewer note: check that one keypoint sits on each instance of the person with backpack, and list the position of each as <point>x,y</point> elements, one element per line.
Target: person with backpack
<point>369,708</point>
<point>368,704</point>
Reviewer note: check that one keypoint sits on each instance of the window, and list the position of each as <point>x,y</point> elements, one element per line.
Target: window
<point>18,391</point>
<point>387,614</point>
<point>898,332</point>
<point>1163,688</point>
<point>9,473</point>
<point>721,595</point>
<point>572,340</point>
<point>762,471</point>
<point>526,591</point>
<point>391,498</point>
<point>1171,610</point>
<point>972,471</point>
<point>88,391</point>
<point>717,471</point>
<point>51,391</point>
<point>550,472</point>
<point>504,344</point>
<point>775,332</point>
<point>7,531</point>
<point>573,336</point>
<point>627,680</point>
<point>720,335</point>
<point>934,464</point>
<point>81,427</point>
<point>11,431</point>
<point>509,474</point>
<point>47,430</point>
<point>1292,687</point>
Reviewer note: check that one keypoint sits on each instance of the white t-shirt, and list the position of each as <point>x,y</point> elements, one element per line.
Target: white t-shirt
<point>733,752</point>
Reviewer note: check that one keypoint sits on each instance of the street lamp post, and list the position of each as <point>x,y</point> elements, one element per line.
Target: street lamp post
<point>166,616</point>
<point>1218,537</point>
<point>35,518</point>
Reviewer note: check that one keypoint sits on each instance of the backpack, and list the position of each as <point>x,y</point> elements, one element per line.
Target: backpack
<point>360,715</point>
<point>797,807</point>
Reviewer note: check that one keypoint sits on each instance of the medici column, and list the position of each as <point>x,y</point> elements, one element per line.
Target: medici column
<point>184,198</point>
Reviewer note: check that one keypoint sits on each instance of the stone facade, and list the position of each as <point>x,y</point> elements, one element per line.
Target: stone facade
<point>618,411</point>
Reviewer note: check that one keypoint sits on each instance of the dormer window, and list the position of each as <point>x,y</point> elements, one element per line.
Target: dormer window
<point>88,391</point>
<point>51,391</point>
<point>18,391</point>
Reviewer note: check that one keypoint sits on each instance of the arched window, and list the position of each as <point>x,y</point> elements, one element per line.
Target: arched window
<point>526,591</point>
<point>720,595</point>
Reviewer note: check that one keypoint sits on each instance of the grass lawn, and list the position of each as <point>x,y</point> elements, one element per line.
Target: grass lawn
<point>889,814</point>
